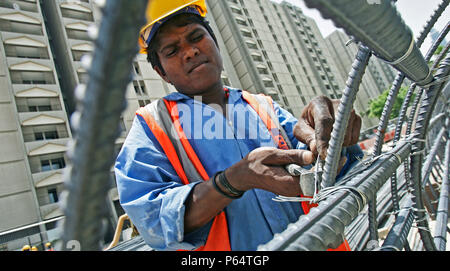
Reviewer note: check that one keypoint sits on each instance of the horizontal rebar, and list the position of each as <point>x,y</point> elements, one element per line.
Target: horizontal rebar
<point>380,28</point>
<point>323,226</point>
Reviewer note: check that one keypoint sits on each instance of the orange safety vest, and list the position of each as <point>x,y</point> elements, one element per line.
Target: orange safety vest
<point>163,120</point>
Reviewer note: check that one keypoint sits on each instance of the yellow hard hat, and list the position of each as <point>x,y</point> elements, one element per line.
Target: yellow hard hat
<point>26,248</point>
<point>33,248</point>
<point>159,11</point>
<point>48,244</point>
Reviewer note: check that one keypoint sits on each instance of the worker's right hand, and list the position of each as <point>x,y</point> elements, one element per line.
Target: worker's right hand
<point>263,168</point>
<point>315,125</point>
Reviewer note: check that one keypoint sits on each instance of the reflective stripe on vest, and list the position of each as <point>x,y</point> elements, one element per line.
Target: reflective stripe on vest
<point>218,238</point>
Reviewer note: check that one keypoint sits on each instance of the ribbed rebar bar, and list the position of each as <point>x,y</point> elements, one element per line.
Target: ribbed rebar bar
<point>424,115</point>
<point>380,28</point>
<point>397,237</point>
<point>347,18</point>
<point>343,115</point>
<point>96,122</point>
<point>323,226</point>
<point>440,237</point>
<point>428,165</point>
<point>408,96</point>
<point>393,93</point>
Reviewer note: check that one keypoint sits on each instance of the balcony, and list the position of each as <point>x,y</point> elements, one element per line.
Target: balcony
<point>51,210</point>
<point>76,11</point>
<point>19,5</point>
<point>28,52</point>
<point>47,158</point>
<point>45,132</point>
<point>48,178</point>
<point>38,104</point>
<point>79,50</point>
<point>48,118</point>
<point>32,78</point>
<point>36,72</point>
<point>19,22</point>
<point>77,31</point>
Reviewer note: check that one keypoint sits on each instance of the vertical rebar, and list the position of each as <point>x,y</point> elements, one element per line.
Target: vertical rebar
<point>440,237</point>
<point>343,115</point>
<point>96,122</point>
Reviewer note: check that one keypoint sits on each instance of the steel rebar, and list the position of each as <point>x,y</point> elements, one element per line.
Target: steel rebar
<point>96,122</point>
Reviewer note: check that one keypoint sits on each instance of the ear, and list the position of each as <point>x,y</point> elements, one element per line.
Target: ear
<point>162,74</point>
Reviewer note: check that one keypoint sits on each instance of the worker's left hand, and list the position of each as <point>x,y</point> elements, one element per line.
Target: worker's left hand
<point>316,123</point>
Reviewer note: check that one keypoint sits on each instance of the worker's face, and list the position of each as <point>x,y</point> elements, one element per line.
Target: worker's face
<point>190,59</point>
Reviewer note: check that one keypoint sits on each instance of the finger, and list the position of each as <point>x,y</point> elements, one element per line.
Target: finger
<point>284,157</point>
<point>324,120</point>
<point>304,129</point>
<point>349,130</point>
<point>323,135</point>
<point>341,163</point>
<point>282,183</point>
<point>356,130</point>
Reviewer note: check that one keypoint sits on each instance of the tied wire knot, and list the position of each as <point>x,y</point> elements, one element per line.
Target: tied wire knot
<point>327,192</point>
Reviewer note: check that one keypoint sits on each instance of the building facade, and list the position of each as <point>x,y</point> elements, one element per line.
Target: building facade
<point>34,127</point>
<point>377,77</point>
<point>274,49</point>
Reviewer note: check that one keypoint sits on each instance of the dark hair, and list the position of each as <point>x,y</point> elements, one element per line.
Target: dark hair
<point>178,20</point>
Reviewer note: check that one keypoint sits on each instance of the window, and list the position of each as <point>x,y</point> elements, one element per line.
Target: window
<point>52,164</point>
<point>257,57</point>
<point>52,195</point>
<point>136,69</point>
<point>241,21</point>
<point>246,33</point>
<point>39,108</point>
<point>46,135</point>
<point>251,44</point>
<point>268,83</point>
<point>38,104</point>
<point>263,70</point>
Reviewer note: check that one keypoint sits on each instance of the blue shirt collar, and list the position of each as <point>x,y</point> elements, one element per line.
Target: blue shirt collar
<point>235,95</point>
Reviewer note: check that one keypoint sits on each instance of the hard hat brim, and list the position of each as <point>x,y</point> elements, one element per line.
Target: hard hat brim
<point>144,42</point>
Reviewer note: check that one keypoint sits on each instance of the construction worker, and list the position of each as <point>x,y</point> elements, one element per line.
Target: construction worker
<point>26,248</point>
<point>199,168</point>
<point>48,246</point>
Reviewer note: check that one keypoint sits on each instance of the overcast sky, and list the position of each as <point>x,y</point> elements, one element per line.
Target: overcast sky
<point>415,13</point>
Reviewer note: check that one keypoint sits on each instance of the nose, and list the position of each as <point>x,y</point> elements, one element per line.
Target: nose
<point>190,52</point>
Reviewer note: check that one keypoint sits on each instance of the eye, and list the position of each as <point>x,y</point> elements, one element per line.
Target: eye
<point>197,38</point>
<point>171,52</point>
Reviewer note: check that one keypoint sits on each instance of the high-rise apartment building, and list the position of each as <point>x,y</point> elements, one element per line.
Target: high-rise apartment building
<point>274,49</point>
<point>377,78</point>
<point>34,127</point>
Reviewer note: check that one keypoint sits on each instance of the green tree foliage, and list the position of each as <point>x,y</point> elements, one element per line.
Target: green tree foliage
<point>376,105</point>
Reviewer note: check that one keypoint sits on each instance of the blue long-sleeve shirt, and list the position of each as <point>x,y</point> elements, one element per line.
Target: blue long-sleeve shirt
<point>153,196</point>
